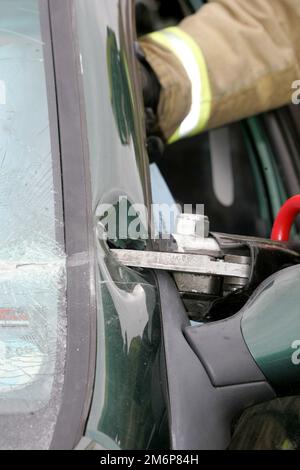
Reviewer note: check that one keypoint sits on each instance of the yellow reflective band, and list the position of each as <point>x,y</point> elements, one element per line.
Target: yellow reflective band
<point>192,59</point>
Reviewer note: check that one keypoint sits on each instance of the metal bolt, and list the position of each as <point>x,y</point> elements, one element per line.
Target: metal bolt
<point>192,224</point>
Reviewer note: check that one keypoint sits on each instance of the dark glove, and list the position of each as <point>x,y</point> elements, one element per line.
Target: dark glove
<point>150,82</point>
<point>151,94</point>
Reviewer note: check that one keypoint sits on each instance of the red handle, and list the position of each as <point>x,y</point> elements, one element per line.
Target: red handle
<point>285,219</point>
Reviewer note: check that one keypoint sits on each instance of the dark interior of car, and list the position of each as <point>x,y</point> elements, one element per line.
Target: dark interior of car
<point>236,191</point>
<point>242,173</point>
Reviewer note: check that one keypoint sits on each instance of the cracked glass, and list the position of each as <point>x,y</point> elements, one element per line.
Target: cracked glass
<point>32,259</point>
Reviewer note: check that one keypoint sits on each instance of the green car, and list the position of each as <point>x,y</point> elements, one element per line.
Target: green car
<point>125,342</point>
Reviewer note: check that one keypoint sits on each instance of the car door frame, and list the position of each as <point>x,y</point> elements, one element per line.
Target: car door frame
<point>70,142</point>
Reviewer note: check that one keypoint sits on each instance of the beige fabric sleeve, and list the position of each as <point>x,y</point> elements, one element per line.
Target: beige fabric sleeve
<point>252,54</point>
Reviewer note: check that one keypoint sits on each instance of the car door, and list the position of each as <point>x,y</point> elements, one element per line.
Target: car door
<point>117,399</point>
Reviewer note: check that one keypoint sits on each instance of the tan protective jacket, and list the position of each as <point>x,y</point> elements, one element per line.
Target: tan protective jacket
<point>231,60</point>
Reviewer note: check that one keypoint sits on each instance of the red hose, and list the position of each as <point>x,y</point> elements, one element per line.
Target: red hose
<point>285,219</point>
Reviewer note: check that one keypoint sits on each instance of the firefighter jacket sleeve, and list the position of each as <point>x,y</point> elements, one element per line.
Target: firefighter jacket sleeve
<point>231,60</point>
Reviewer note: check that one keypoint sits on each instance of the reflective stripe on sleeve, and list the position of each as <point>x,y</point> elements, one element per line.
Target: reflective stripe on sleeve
<point>192,59</point>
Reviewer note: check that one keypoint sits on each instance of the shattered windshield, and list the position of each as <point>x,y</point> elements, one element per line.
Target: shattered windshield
<point>32,261</point>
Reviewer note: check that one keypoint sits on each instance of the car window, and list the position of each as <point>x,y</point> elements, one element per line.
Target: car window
<point>32,261</point>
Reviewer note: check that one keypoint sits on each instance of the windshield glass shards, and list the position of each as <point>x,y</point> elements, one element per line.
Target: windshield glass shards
<point>32,259</point>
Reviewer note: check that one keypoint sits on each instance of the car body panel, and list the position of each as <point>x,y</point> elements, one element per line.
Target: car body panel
<point>127,407</point>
